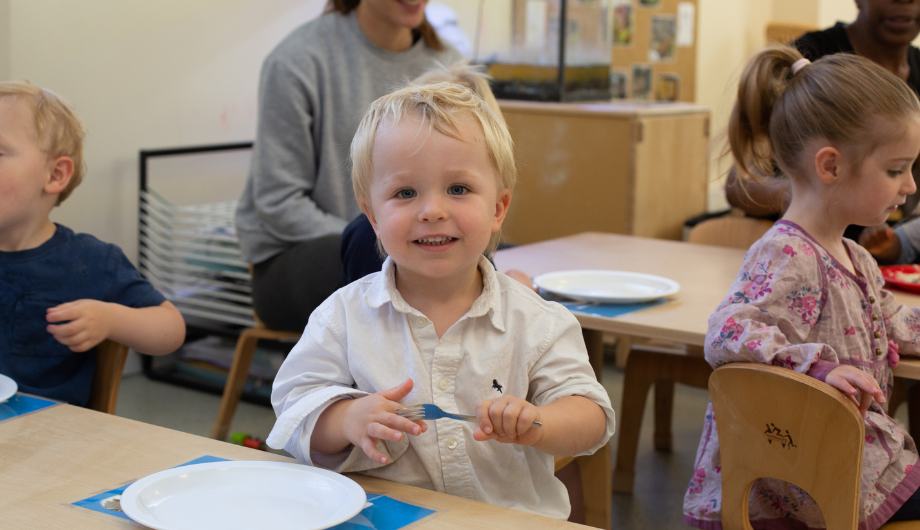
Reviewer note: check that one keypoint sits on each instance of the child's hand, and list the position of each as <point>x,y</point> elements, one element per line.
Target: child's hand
<point>370,418</point>
<point>507,420</point>
<point>848,380</point>
<point>521,277</point>
<point>89,323</point>
<point>881,242</point>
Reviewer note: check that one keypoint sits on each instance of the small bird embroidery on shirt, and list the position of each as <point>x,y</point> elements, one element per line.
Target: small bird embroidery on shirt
<point>497,386</point>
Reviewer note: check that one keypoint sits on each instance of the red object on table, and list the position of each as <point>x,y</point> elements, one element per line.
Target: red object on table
<point>891,275</point>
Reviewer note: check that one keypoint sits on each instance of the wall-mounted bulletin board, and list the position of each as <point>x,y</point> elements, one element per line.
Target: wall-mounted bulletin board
<point>654,49</point>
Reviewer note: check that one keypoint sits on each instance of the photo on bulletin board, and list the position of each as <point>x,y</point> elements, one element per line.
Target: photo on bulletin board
<point>661,43</point>
<point>624,22</point>
<point>648,3</point>
<point>619,80</point>
<point>668,87</point>
<point>641,81</point>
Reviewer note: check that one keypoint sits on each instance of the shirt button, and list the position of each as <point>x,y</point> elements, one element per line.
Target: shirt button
<point>878,334</point>
<point>442,384</point>
<point>874,316</point>
<point>420,322</point>
<point>872,299</point>
<point>451,443</point>
<point>878,351</point>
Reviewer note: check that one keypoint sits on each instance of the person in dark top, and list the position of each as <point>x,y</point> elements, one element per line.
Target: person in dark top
<point>883,32</point>
<point>61,293</point>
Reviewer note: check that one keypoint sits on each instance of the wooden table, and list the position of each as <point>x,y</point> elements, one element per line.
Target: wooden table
<point>705,274</point>
<point>53,457</point>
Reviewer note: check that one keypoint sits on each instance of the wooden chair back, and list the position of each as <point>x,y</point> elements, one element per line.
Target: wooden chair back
<point>729,231</point>
<point>777,423</point>
<point>110,364</point>
<point>786,32</point>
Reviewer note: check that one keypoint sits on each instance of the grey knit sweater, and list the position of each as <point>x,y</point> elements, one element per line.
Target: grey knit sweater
<point>314,89</point>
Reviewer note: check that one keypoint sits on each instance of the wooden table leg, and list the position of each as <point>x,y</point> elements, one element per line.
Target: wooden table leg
<point>594,341</point>
<point>637,379</point>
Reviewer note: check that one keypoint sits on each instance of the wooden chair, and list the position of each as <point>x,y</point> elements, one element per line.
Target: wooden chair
<point>826,460</point>
<point>110,364</point>
<point>663,364</point>
<point>786,32</point>
<point>239,370</point>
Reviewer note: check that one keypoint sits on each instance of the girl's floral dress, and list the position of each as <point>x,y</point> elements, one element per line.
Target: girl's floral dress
<point>794,305</point>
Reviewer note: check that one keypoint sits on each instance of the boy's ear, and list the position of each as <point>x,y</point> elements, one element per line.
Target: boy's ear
<point>828,165</point>
<point>59,177</point>
<point>501,209</point>
<point>365,206</point>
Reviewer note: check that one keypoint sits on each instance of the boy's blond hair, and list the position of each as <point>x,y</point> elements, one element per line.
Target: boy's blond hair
<point>463,73</point>
<point>59,130</point>
<point>441,106</point>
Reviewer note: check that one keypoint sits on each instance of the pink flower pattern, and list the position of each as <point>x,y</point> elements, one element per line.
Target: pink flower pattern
<point>791,305</point>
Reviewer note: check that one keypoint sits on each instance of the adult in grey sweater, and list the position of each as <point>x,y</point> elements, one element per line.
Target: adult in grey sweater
<point>314,89</point>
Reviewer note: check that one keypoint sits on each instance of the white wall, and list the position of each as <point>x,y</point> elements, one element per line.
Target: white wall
<point>4,39</point>
<point>144,75</point>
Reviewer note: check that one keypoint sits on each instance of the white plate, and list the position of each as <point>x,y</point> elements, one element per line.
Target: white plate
<point>608,287</point>
<point>243,495</point>
<point>7,388</point>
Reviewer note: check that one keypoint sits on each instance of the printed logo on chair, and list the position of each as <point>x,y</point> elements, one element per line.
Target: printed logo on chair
<point>21,404</point>
<point>381,512</point>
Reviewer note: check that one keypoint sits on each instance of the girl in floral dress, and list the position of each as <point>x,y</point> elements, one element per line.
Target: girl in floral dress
<point>845,132</point>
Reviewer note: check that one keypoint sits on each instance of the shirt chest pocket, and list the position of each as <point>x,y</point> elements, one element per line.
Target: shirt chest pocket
<point>30,338</point>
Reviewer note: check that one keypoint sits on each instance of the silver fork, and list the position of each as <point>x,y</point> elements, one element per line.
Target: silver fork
<point>428,411</point>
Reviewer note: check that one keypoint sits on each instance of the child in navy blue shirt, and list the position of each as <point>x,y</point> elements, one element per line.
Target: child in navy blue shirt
<point>61,293</point>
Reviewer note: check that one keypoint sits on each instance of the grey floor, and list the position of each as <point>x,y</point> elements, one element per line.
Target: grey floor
<point>660,478</point>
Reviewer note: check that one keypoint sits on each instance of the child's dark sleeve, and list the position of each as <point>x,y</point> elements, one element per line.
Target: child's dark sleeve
<point>126,286</point>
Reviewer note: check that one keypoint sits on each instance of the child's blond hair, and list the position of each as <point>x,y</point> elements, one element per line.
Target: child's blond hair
<point>59,130</point>
<point>463,73</point>
<point>441,106</point>
<point>835,98</point>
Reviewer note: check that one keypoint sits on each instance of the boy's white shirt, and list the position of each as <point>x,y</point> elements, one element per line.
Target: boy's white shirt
<point>366,338</point>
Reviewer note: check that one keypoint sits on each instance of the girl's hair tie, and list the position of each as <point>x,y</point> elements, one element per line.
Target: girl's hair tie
<point>798,65</point>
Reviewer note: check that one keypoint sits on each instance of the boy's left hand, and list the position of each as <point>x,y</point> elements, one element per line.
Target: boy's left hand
<point>88,324</point>
<point>507,420</point>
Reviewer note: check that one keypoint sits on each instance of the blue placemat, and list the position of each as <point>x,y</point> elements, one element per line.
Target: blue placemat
<point>606,310</point>
<point>384,513</point>
<point>20,404</point>
<point>94,503</point>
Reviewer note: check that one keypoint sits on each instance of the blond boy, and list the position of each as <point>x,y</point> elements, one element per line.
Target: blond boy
<point>433,172</point>
<point>61,293</point>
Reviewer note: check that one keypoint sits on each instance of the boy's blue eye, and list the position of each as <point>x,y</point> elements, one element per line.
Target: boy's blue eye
<point>405,194</point>
<point>457,190</point>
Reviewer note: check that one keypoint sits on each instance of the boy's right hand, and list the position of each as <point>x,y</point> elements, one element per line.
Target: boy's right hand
<point>849,380</point>
<point>88,322</point>
<point>370,418</point>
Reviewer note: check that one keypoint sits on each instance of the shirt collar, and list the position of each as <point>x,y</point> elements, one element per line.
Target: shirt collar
<point>383,290</point>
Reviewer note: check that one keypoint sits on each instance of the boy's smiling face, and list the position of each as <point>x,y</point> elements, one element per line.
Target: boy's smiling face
<point>434,200</point>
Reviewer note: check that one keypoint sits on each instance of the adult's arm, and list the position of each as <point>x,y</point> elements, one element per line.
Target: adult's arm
<point>769,196</point>
<point>285,157</point>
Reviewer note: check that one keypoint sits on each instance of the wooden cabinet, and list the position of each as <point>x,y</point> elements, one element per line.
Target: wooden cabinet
<point>625,167</point>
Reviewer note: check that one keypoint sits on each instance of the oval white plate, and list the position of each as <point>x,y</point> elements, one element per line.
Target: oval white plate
<point>608,287</point>
<point>7,388</point>
<point>243,495</point>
